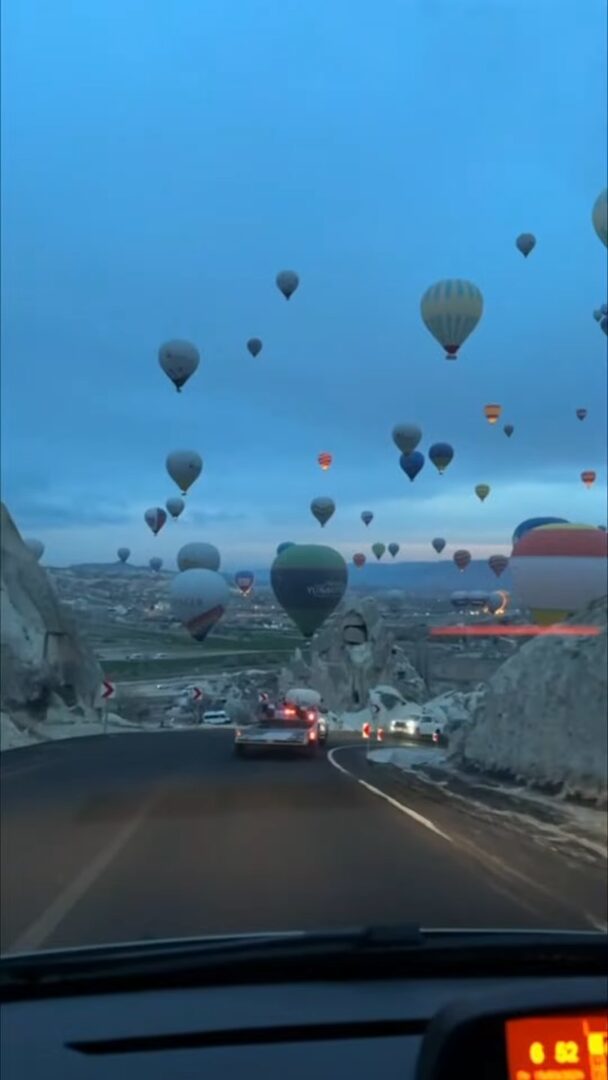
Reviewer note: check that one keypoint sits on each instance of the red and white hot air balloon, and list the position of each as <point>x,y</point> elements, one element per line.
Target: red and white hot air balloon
<point>325,460</point>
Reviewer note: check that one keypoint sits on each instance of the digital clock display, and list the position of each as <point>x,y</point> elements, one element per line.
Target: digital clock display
<point>558,1047</point>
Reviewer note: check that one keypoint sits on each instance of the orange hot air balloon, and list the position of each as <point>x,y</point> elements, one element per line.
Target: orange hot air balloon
<point>492,413</point>
<point>588,477</point>
<point>325,461</point>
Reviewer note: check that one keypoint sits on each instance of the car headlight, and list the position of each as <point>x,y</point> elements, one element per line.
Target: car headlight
<point>411,727</point>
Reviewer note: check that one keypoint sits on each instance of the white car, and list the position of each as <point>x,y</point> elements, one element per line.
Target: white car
<point>418,727</point>
<point>216,717</point>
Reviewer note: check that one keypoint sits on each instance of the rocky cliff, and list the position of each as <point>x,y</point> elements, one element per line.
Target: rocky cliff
<point>45,666</point>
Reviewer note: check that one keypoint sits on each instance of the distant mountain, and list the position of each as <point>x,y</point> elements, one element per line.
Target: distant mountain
<point>424,578</point>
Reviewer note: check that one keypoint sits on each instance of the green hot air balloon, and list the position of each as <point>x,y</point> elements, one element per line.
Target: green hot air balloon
<point>378,550</point>
<point>309,581</point>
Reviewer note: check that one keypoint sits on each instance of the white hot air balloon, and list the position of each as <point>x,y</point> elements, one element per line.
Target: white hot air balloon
<point>184,467</point>
<point>599,216</point>
<point>179,360</point>
<point>406,437</point>
<point>175,506</point>
<point>198,556</point>
<point>36,547</point>
<point>198,599</point>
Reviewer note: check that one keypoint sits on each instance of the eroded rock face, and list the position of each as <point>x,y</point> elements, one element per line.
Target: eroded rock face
<point>353,653</point>
<point>44,662</point>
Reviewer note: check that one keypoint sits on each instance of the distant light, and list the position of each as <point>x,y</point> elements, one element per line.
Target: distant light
<point>515,631</point>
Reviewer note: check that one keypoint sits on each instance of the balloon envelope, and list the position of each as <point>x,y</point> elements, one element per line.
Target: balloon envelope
<point>406,437</point>
<point>459,599</point>
<point>36,547</point>
<point>482,491</point>
<point>439,544</point>
<point>254,345</point>
<point>441,454</point>
<point>244,580</point>
<point>535,523</point>
<point>581,413</point>
<point>378,550</point>
<point>156,563</point>
<point>123,553</point>
<point>462,558</point>
<point>184,466</point>
<point>498,564</point>
<point>412,463</point>
<point>155,518</point>
<point>508,430</point>
<point>492,413</point>
<point>283,547</point>
<point>525,243</point>
<point>599,216</point>
<point>198,555</point>
<point>393,549</point>
<point>359,559</point>
<point>322,508</point>
<point>366,517</point>
<point>450,311</point>
<point>325,460</point>
<point>198,599</point>
<point>175,506</point>
<point>179,360</point>
<point>588,476</point>
<point>559,569</point>
<point>287,282</point>
<point>309,580</point>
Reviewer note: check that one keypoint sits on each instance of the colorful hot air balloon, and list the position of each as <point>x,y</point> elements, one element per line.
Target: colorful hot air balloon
<point>588,477</point>
<point>244,580</point>
<point>412,463</point>
<point>36,547</point>
<point>525,243</point>
<point>198,555</point>
<point>581,413</point>
<point>451,311</point>
<point>123,554</point>
<point>255,346</point>
<point>378,550</point>
<point>175,506</point>
<point>184,467</point>
<point>198,599</point>
<point>366,517</point>
<point>559,569</point>
<point>179,360</point>
<point>287,282</point>
<point>498,564</point>
<point>508,430</point>
<point>441,453</point>
<point>599,216</point>
<point>283,547</point>
<point>309,581</point>
<point>322,508</point>
<point>535,523</point>
<point>155,518</point>
<point>462,558</point>
<point>492,413</point>
<point>438,543</point>
<point>359,559</point>
<point>156,564</point>
<point>482,491</point>
<point>406,437</point>
<point>325,460</point>
<point>393,549</point>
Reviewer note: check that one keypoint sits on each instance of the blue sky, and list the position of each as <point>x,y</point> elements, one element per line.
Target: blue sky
<point>162,161</point>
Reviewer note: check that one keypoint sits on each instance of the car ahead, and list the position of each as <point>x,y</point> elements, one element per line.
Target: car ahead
<point>418,727</point>
<point>216,716</point>
<point>285,728</point>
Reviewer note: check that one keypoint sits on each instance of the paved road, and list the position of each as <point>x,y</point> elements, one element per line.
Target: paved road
<point>132,836</point>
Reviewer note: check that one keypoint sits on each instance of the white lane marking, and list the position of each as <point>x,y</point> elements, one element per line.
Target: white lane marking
<point>388,798</point>
<point>43,927</point>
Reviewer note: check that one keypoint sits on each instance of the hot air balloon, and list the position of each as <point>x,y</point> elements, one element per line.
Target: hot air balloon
<point>492,413</point>
<point>244,580</point>
<point>123,554</point>
<point>198,555</point>
<point>359,559</point>
<point>604,324</point>
<point>393,549</point>
<point>325,461</point>
<point>498,564</point>
<point>441,453</point>
<point>482,491</point>
<point>496,601</point>
<point>155,517</point>
<point>588,477</point>
<point>287,282</point>
<point>459,600</point>
<point>184,466</point>
<point>406,437</point>
<point>535,523</point>
<point>255,346</point>
<point>451,311</point>
<point>438,543</point>
<point>599,216</point>
<point>597,314</point>
<point>366,517</point>
<point>156,564</point>
<point>478,600</point>
<point>525,243</point>
<point>198,599</point>
<point>508,430</point>
<point>175,505</point>
<point>462,558</point>
<point>179,360</point>
<point>283,547</point>
<point>322,508</point>
<point>412,463</point>
<point>378,550</point>
<point>36,547</point>
<point>581,413</point>
<point>309,581</point>
<point>559,569</point>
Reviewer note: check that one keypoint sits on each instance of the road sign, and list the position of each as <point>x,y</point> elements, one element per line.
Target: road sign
<point>197,693</point>
<point>108,690</point>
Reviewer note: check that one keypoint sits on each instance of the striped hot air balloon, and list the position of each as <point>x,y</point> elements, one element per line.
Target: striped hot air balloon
<point>492,413</point>
<point>450,311</point>
<point>462,558</point>
<point>498,564</point>
<point>588,477</point>
<point>559,569</point>
<point>155,518</point>
<point>325,460</point>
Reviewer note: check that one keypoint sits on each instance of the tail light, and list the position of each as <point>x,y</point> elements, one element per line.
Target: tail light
<point>312,736</point>
<point>311,714</point>
<point>238,734</point>
<point>380,735</point>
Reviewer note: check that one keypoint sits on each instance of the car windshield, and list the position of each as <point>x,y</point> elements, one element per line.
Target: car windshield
<point>304,352</point>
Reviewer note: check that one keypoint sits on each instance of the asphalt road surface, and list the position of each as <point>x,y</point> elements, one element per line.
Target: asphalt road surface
<point>126,837</point>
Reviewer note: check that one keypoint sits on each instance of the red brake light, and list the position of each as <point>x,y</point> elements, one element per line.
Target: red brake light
<point>311,714</point>
<point>312,736</point>
<point>289,711</point>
